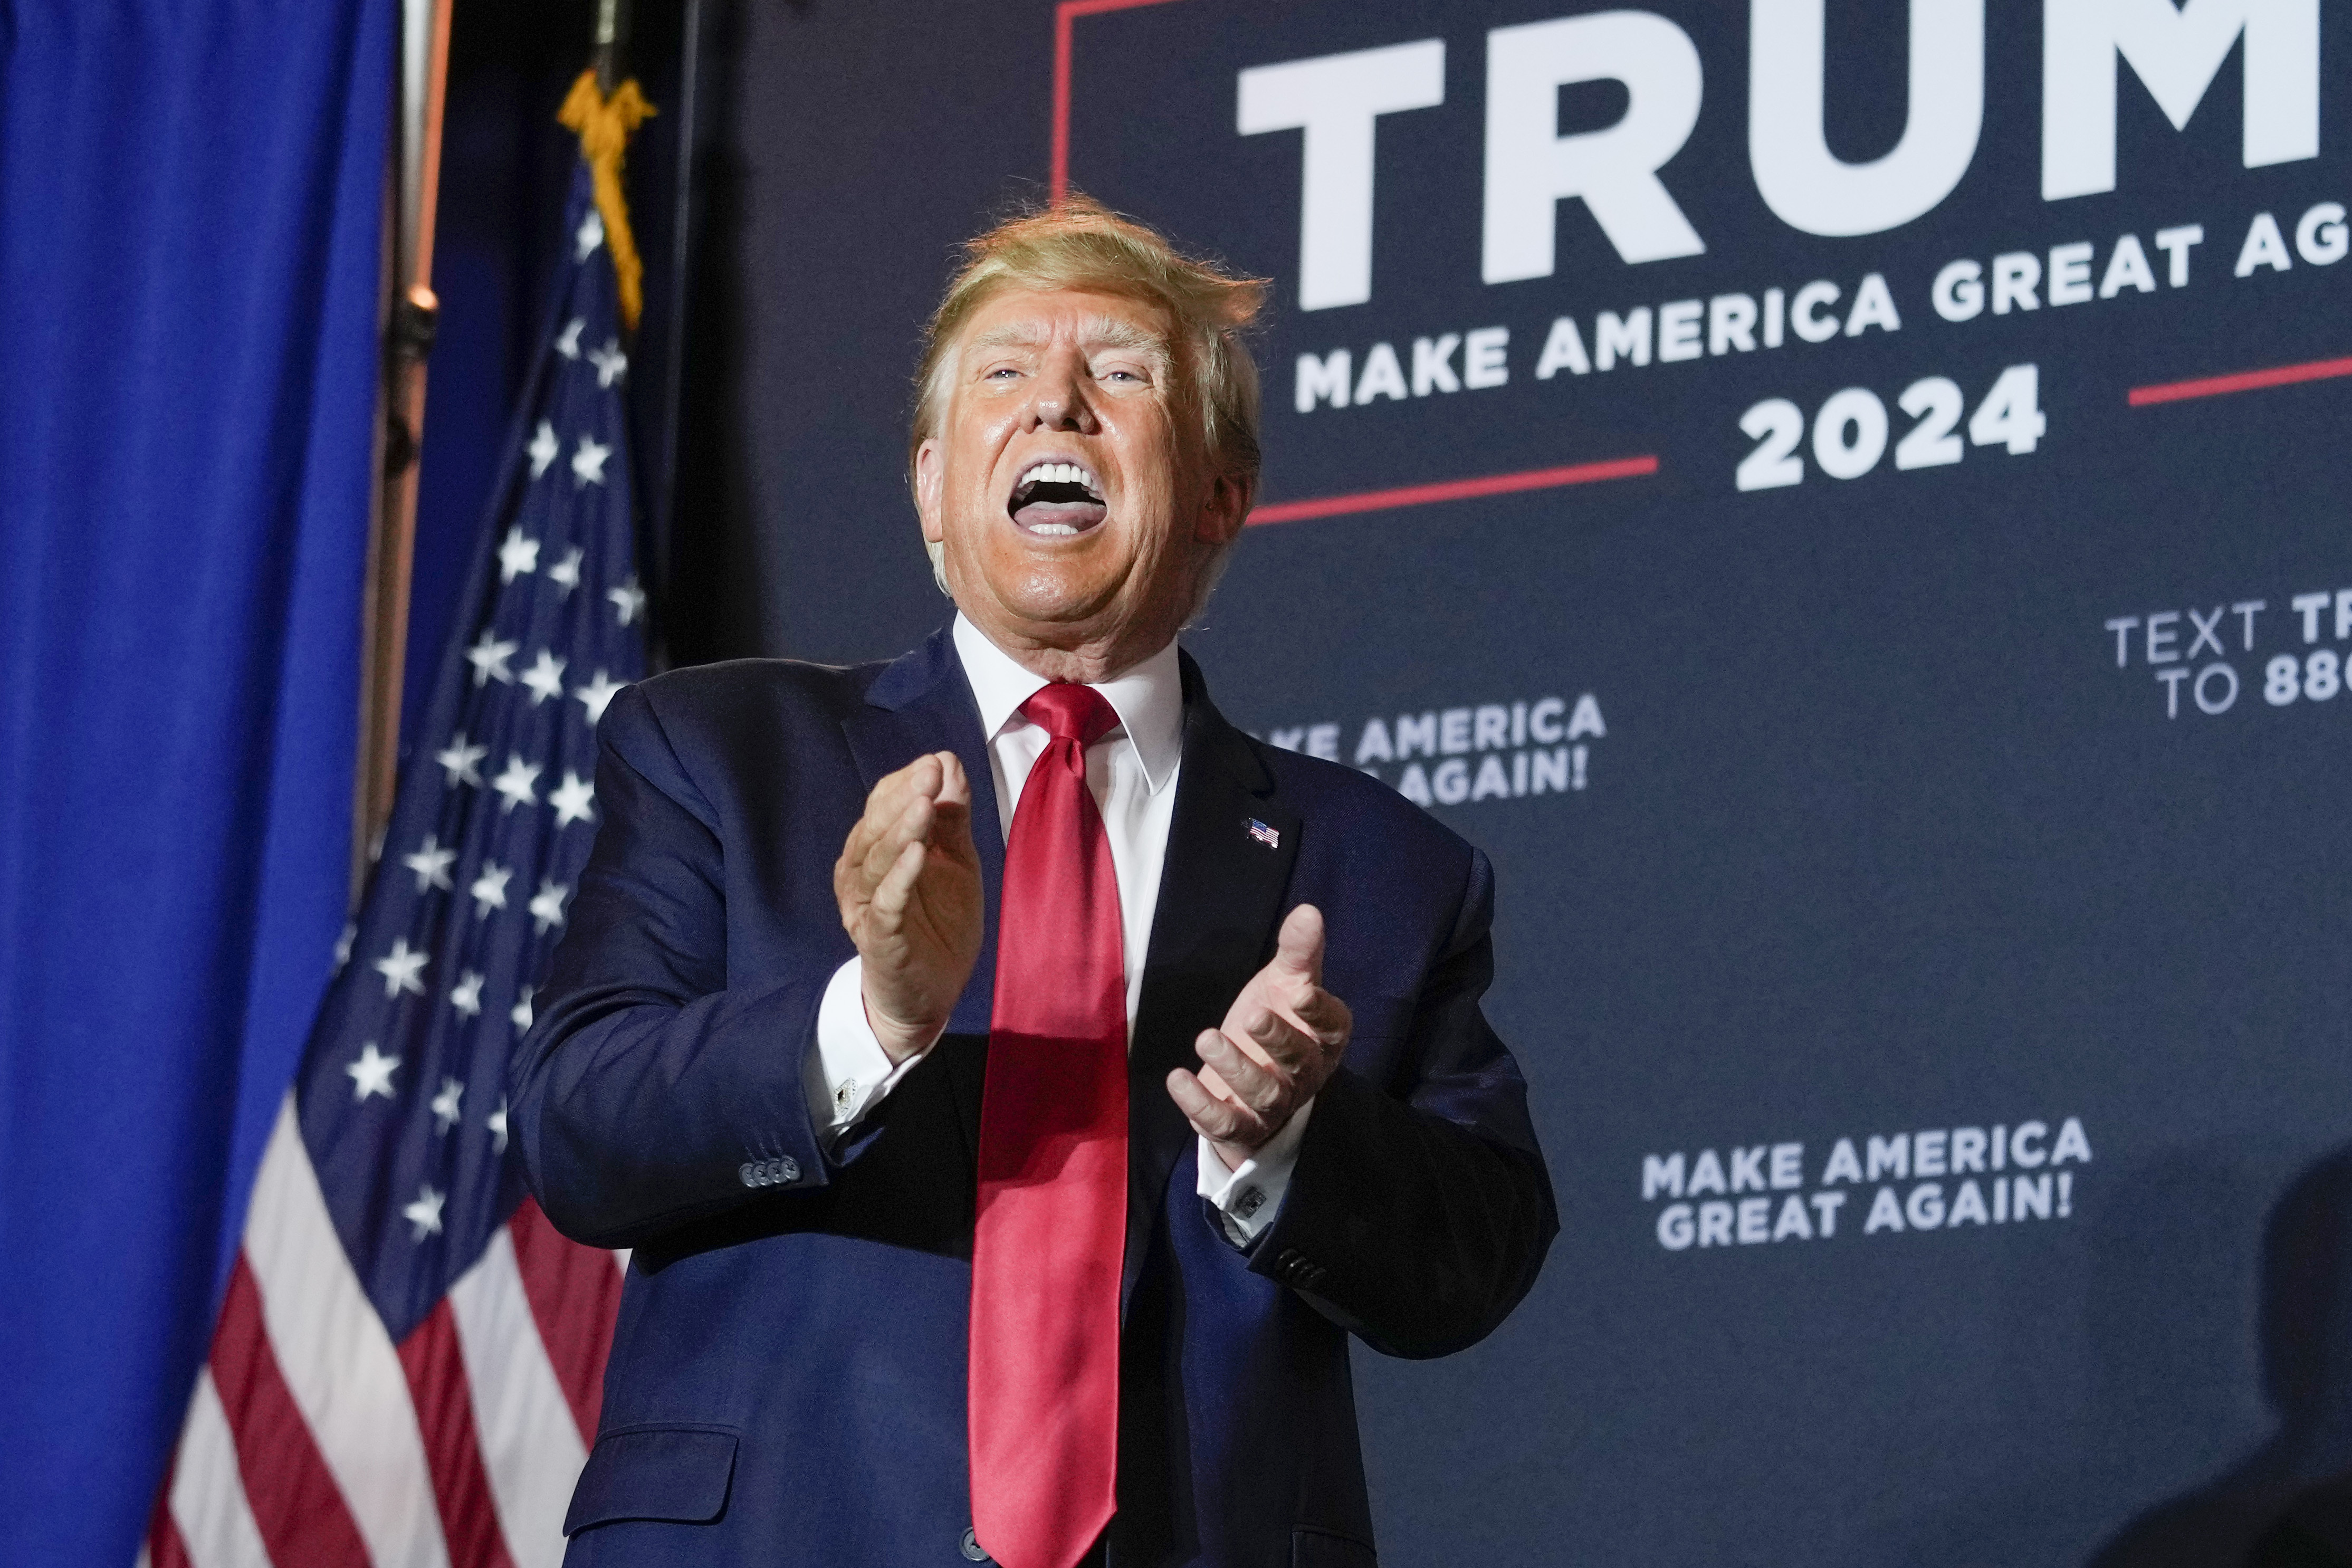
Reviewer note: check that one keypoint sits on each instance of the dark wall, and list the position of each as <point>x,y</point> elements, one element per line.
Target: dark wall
<point>851,149</point>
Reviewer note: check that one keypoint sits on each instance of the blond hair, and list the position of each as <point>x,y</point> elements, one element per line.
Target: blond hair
<point>1082,245</point>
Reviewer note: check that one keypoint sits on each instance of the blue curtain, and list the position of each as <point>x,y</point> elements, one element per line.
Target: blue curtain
<point>190,224</point>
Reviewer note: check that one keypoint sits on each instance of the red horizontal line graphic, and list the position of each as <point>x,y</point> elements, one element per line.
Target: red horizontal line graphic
<point>2240,381</point>
<point>1456,490</point>
<point>1059,185</point>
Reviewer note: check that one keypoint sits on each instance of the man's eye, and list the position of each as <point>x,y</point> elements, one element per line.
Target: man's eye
<point>1001,370</point>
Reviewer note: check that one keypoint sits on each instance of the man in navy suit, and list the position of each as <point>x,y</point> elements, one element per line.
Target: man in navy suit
<point>761,1054</point>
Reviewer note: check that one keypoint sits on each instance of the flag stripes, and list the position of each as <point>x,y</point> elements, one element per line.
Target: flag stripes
<point>504,1377</point>
<point>207,1519</point>
<point>437,1387</point>
<point>575,1297</point>
<point>340,1364</point>
<point>296,1504</point>
<point>531,1444</point>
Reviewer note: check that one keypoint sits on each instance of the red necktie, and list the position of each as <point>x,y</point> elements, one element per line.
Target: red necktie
<point>1052,1222</point>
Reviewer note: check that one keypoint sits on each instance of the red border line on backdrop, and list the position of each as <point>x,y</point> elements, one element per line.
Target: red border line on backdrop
<point>2241,381</point>
<point>1456,490</point>
<point>1059,185</point>
<point>1064,13</point>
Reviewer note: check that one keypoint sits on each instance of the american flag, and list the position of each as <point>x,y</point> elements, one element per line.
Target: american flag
<point>409,1360</point>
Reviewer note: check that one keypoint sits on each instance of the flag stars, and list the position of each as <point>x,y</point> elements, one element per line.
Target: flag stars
<point>490,889</point>
<point>545,677</point>
<point>546,905</point>
<point>610,363</point>
<point>515,784</point>
<point>466,995</point>
<point>565,573</point>
<point>542,768</point>
<point>445,1105</point>
<point>517,555</point>
<point>371,1073</point>
<point>628,601</point>
<point>596,695</point>
<point>544,448</point>
<point>431,864</point>
<point>489,658</point>
<point>400,969</point>
<point>425,1213</point>
<point>574,801</point>
<point>458,761</point>
<point>588,462</point>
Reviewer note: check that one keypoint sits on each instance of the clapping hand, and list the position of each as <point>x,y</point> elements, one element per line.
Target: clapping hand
<point>908,885</point>
<point>1280,1043</point>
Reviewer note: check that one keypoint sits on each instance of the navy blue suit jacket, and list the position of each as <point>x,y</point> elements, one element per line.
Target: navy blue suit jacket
<point>787,1379</point>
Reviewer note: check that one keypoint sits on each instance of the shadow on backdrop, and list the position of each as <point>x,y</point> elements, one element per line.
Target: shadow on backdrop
<point>2289,1503</point>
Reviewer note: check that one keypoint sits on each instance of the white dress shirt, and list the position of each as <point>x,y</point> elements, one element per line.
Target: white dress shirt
<point>1131,773</point>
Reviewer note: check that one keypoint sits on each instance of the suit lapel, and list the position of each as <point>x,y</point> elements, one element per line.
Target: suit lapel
<point>923,703</point>
<point>1220,903</point>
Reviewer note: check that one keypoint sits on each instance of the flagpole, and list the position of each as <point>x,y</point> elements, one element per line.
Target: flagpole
<point>411,313</point>
<point>662,492</point>
<point>612,43</point>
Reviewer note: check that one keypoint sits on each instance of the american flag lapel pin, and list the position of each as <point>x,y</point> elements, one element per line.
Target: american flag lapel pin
<point>1265,834</point>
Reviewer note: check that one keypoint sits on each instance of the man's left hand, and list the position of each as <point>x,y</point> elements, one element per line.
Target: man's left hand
<point>1280,1041</point>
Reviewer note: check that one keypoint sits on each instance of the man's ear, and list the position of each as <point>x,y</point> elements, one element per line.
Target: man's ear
<point>928,465</point>
<point>1224,510</point>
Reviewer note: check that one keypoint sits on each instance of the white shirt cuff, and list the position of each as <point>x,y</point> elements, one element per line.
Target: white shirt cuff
<point>849,1072</point>
<point>1247,1199</point>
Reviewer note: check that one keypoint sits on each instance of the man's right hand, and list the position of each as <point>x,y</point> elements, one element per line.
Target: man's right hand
<point>910,888</point>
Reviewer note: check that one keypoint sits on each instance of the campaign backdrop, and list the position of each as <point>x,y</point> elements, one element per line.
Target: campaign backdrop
<point>1846,503</point>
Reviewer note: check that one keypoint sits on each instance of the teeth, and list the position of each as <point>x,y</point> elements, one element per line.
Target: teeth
<point>1055,528</point>
<point>1059,474</point>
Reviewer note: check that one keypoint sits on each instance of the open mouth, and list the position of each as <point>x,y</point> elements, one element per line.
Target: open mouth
<point>1057,501</point>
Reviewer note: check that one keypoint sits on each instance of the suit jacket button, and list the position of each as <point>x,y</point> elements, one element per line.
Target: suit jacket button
<point>749,1173</point>
<point>788,1169</point>
<point>971,1548</point>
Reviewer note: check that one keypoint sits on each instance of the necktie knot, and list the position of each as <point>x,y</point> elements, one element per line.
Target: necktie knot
<point>1071,713</point>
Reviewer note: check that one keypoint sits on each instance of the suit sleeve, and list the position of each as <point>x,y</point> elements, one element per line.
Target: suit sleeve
<point>1420,1210</point>
<point>649,1093</point>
